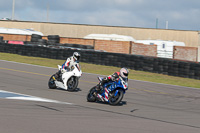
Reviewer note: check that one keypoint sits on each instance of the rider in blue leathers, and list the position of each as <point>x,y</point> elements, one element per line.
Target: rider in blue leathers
<point>115,76</point>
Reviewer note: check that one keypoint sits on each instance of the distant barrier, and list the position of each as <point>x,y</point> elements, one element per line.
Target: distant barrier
<point>136,62</point>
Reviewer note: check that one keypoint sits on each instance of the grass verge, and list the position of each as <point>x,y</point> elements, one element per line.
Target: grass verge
<point>104,70</point>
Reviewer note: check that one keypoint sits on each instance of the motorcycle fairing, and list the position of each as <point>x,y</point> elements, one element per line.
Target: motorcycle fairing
<point>113,85</point>
<point>65,77</point>
<point>108,87</point>
<point>59,84</point>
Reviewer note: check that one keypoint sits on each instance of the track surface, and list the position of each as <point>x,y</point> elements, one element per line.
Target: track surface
<point>146,108</point>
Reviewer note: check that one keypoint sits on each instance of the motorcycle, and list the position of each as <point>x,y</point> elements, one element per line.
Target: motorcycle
<point>67,80</point>
<point>112,92</point>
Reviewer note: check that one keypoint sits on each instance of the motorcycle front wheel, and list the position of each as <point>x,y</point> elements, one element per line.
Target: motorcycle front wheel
<point>90,95</point>
<point>72,83</point>
<point>114,100</point>
<point>51,83</point>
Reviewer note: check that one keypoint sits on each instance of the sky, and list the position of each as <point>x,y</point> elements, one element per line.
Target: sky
<point>162,14</point>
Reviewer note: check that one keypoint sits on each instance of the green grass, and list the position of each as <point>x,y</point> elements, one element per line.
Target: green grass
<point>105,70</point>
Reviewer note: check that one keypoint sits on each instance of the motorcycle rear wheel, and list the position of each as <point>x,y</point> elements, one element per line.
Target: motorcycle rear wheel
<point>90,95</point>
<point>114,100</point>
<point>51,83</point>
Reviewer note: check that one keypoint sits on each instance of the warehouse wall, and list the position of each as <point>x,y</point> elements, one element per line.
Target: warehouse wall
<point>15,37</point>
<point>77,41</point>
<point>142,49</point>
<point>185,53</point>
<point>113,46</point>
<point>198,54</point>
<point>190,38</point>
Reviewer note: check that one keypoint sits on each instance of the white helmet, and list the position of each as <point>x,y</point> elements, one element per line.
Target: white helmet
<point>124,72</point>
<point>76,56</point>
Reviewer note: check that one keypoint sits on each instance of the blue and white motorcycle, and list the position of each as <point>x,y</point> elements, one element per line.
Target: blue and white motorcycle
<point>112,93</point>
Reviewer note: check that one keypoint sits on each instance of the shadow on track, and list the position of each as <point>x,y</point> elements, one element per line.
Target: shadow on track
<point>122,103</point>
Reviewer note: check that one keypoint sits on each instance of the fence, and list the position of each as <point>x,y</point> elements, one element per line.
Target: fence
<point>135,62</point>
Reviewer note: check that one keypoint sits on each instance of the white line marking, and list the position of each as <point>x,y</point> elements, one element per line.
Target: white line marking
<point>19,96</point>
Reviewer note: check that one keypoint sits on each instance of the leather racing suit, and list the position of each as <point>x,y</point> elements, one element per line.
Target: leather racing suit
<point>68,63</point>
<point>112,77</point>
<point>67,66</point>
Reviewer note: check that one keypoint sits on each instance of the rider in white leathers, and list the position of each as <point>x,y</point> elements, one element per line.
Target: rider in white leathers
<point>68,63</point>
<point>71,61</point>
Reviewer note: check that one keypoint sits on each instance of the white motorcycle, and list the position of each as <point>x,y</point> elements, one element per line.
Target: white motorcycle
<point>67,80</point>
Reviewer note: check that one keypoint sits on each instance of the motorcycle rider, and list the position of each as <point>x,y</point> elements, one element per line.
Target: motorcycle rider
<point>71,60</point>
<point>68,63</point>
<point>123,73</point>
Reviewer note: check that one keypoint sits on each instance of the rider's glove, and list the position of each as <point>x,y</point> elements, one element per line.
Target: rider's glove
<point>113,78</point>
<point>63,70</point>
<point>67,68</point>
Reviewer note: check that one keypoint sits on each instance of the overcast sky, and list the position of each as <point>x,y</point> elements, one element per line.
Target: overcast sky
<point>180,14</point>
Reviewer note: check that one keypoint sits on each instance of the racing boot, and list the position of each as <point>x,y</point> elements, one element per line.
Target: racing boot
<point>57,75</point>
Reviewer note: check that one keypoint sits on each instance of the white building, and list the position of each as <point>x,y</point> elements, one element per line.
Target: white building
<point>164,48</point>
<point>113,37</point>
<point>19,31</point>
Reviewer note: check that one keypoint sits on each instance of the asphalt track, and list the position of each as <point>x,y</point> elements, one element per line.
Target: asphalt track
<point>146,108</point>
